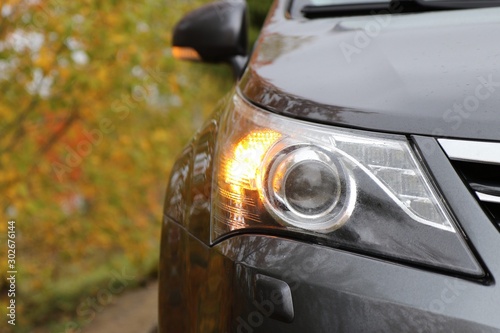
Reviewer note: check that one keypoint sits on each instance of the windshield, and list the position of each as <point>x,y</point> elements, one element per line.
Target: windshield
<point>351,2</point>
<point>331,8</point>
<point>342,2</point>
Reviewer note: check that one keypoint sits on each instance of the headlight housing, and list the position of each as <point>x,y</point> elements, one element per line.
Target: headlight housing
<point>350,189</point>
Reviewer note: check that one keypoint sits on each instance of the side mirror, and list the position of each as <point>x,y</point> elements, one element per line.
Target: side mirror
<point>217,32</point>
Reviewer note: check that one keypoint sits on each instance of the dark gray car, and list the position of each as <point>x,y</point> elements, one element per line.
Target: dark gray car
<point>351,180</point>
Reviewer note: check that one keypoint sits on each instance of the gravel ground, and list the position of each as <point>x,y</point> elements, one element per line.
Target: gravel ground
<point>133,312</point>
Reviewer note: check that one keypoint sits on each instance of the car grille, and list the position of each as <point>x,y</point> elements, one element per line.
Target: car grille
<point>478,163</point>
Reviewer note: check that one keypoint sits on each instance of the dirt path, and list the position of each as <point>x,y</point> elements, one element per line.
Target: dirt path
<point>134,312</point>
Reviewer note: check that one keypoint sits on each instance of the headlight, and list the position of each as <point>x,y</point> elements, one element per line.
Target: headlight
<point>349,189</point>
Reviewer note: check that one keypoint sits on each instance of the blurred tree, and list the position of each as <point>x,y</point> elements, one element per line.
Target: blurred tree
<point>93,109</point>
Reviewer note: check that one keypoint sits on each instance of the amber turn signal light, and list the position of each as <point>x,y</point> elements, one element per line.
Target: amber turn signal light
<point>185,53</point>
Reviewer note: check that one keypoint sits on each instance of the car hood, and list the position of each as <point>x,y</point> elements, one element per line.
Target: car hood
<point>434,73</point>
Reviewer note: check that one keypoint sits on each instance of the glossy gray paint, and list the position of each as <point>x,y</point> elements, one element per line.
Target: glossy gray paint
<point>332,290</point>
<point>480,230</point>
<point>213,289</point>
<point>419,73</point>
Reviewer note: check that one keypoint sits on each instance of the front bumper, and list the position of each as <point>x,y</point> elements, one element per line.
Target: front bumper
<point>207,289</point>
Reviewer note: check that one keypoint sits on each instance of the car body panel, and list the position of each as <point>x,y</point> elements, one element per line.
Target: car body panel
<point>420,73</point>
<point>210,290</point>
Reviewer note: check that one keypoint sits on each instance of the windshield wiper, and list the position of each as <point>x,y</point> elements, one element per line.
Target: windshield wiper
<point>393,6</point>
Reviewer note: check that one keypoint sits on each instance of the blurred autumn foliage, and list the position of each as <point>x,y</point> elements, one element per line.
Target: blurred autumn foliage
<point>93,110</point>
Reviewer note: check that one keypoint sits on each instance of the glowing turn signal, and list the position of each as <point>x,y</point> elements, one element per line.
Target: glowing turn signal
<point>248,153</point>
<point>185,53</point>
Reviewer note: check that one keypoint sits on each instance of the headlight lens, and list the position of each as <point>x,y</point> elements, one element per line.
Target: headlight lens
<point>350,189</point>
<point>306,186</point>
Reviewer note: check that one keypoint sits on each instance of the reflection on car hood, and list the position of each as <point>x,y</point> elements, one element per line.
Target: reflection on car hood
<point>434,73</point>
